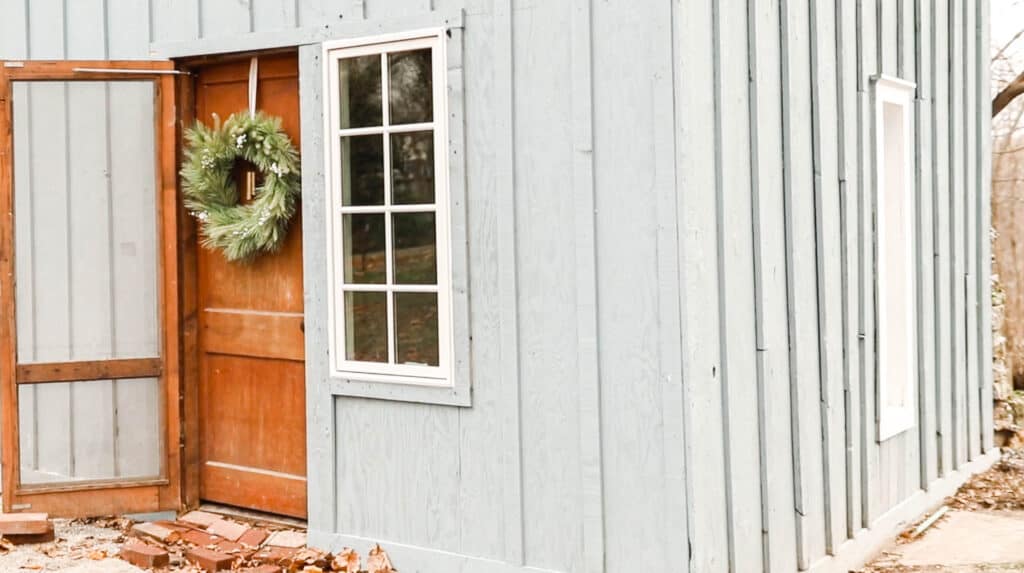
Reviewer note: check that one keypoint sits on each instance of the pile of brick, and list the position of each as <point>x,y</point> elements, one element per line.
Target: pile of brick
<point>25,528</point>
<point>214,543</point>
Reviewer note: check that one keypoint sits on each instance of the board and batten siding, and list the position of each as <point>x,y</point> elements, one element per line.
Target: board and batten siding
<point>670,217</point>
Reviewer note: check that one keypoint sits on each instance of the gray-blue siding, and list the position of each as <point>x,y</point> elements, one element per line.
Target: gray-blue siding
<point>671,279</point>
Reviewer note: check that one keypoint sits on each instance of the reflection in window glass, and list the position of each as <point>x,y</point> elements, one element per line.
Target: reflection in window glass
<point>411,89</point>
<point>415,246</point>
<point>359,89</point>
<point>362,170</point>
<point>366,320</point>
<point>364,249</point>
<point>416,328</point>
<point>412,168</point>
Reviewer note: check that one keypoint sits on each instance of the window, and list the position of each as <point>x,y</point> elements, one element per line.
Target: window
<point>388,210</point>
<point>897,366</point>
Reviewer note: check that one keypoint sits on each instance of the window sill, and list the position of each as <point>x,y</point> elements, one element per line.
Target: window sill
<point>348,384</point>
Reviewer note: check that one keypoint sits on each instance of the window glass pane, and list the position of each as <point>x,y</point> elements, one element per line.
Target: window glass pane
<point>412,168</point>
<point>362,170</point>
<point>412,90</point>
<point>415,245</point>
<point>363,238</point>
<point>360,83</point>
<point>416,328</point>
<point>366,333</point>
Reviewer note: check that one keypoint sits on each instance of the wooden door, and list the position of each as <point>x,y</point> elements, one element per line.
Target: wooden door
<point>252,423</point>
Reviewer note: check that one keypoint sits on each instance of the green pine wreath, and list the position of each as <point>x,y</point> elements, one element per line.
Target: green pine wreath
<point>241,232</point>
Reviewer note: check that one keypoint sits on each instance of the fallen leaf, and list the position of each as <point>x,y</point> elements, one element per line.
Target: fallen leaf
<point>347,561</point>
<point>379,562</point>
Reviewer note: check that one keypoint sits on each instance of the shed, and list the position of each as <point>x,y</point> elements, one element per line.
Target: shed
<point>575,286</point>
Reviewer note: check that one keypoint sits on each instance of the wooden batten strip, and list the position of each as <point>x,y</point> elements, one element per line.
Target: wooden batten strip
<point>92,370</point>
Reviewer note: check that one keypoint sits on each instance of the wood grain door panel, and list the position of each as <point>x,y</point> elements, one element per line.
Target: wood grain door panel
<point>252,403</point>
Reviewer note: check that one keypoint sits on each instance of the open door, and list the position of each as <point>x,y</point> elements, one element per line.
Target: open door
<point>89,301</point>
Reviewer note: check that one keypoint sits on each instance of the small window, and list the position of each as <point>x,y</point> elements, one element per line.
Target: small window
<point>895,205</point>
<point>388,210</point>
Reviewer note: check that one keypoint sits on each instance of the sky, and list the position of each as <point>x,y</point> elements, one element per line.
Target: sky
<point>1007,20</point>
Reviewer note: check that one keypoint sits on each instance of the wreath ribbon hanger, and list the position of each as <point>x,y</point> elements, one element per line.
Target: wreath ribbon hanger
<point>254,66</point>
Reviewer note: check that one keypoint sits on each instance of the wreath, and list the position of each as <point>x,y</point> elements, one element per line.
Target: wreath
<point>241,231</point>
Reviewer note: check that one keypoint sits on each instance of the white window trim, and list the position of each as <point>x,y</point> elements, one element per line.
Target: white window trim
<point>440,376</point>
<point>893,419</point>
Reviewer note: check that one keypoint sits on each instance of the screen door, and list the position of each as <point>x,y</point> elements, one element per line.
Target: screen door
<point>86,405</point>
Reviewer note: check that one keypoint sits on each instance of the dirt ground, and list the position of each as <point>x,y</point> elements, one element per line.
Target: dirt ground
<point>986,513</point>
<point>81,546</point>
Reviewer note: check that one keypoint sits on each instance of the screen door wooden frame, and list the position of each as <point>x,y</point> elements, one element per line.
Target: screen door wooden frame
<point>100,497</point>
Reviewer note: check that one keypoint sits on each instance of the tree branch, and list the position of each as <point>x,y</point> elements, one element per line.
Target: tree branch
<point>1008,44</point>
<point>1008,94</point>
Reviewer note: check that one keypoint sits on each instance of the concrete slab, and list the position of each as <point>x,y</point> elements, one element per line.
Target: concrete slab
<point>969,538</point>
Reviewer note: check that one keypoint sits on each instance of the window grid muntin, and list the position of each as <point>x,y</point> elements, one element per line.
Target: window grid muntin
<point>391,371</point>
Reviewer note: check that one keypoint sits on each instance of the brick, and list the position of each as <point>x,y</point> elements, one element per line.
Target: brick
<point>229,530</point>
<point>199,538</point>
<point>200,518</point>
<point>176,526</point>
<point>144,555</point>
<point>155,531</point>
<point>293,539</point>
<point>31,538</point>
<point>208,560</point>
<point>24,523</point>
<point>254,537</point>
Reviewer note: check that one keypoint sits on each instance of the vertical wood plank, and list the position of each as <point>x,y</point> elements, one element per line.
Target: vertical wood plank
<point>547,287</point>
<point>670,354</point>
<point>91,302</point>
<point>706,503</point>
<point>736,285</point>
<point>588,368</point>
<point>801,281</point>
<point>984,213</point>
<point>957,280</point>
<point>925,241</point>
<point>769,254</point>
<point>14,31</point>
<point>970,245</point>
<point>849,181</point>
<point>639,341</point>
<point>482,495</point>
<point>220,18</point>
<point>888,36</point>
<point>128,29</point>
<point>138,403</point>
<point>827,223</point>
<point>134,271</point>
<point>320,410</point>
<point>85,29</point>
<point>49,247</point>
<point>174,20</point>
<point>941,231</point>
<point>8,346</point>
<point>46,30</point>
<point>322,12</point>
<point>505,169</point>
<point>273,14</point>
<point>867,67</point>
